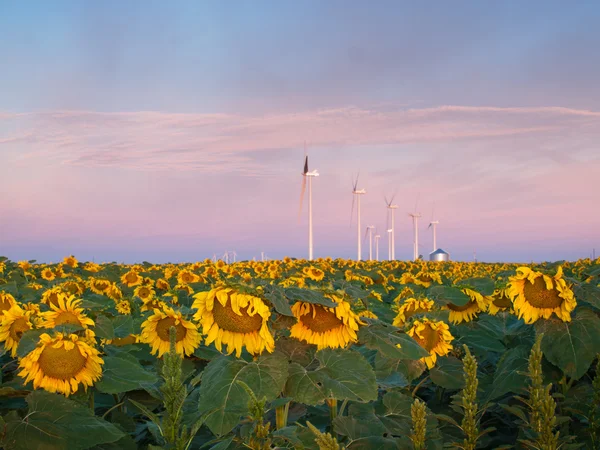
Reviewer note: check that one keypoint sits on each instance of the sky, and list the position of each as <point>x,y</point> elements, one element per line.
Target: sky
<point>174,131</point>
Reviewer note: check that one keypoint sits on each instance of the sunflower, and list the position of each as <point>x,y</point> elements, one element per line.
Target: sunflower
<point>25,265</point>
<point>124,307</point>
<point>234,319</point>
<point>131,278</point>
<point>477,303</point>
<point>155,332</point>
<point>48,274</point>
<point>51,296</point>
<point>66,311</point>
<point>187,277</point>
<point>14,323</point>
<point>7,301</point>
<point>99,285</point>
<point>61,363</point>
<point>71,261</point>
<point>145,293</point>
<point>162,285</point>
<point>536,295</point>
<point>114,293</point>
<point>92,267</point>
<point>313,273</point>
<point>500,301</point>
<point>410,307</point>
<point>425,278</point>
<point>325,326</point>
<point>433,336</point>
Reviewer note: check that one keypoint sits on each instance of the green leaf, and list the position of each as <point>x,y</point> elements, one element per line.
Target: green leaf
<point>123,326</point>
<point>276,296</point>
<point>57,423</point>
<point>448,294</point>
<point>485,286</point>
<point>123,373</point>
<point>510,372</point>
<point>571,346</point>
<point>448,373</point>
<point>384,338</point>
<point>309,296</point>
<point>96,302</point>
<point>219,389</point>
<point>29,341</point>
<point>587,293</point>
<point>342,375</point>
<point>104,328</point>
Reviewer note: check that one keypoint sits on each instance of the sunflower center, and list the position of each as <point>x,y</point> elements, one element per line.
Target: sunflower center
<point>4,304</point>
<point>186,278</point>
<point>120,342</point>
<point>538,296</point>
<point>143,293</point>
<point>164,325</point>
<point>230,321</point>
<point>454,307</point>
<point>425,279</point>
<point>53,299</point>
<point>61,363</point>
<point>502,301</point>
<point>101,285</point>
<point>19,327</point>
<point>131,277</point>
<point>66,317</point>
<point>429,339</point>
<point>322,321</point>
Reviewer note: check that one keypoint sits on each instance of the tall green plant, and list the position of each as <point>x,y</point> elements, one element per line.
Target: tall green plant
<point>175,435</point>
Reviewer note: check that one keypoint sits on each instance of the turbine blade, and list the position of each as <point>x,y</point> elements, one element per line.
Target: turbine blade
<point>366,233</point>
<point>306,165</point>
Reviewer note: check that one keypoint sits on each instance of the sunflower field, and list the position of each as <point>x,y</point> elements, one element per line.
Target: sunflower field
<point>325,354</point>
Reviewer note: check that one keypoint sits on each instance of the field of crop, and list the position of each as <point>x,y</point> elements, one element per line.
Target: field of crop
<point>326,354</point>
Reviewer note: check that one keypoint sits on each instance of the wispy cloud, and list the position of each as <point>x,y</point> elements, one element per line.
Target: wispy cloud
<point>223,143</point>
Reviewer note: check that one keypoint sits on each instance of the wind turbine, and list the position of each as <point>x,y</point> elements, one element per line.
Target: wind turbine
<point>392,208</point>
<point>377,247</point>
<point>356,194</point>
<point>369,231</point>
<point>389,232</point>
<point>415,216</point>
<point>434,224</point>
<point>306,174</point>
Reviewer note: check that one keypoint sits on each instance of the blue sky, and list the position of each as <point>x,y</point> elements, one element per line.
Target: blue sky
<point>490,110</point>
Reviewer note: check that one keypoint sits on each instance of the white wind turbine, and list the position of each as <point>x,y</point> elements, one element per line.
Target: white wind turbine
<point>369,231</point>
<point>377,247</point>
<point>356,194</point>
<point>306,174</point>
<point>415,216</point>
<point>433,224</point>
<point>391,210</point>
<point>389,232</point>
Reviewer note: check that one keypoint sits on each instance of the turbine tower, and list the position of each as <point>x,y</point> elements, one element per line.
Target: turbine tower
<point>433,224</point>
<point>356,195</point>
<point>377,247</point>
<point>306,174</point>
<point>415,216</point>
<point>389,232</point>
<point>391,210</point>
<point>369,231</point>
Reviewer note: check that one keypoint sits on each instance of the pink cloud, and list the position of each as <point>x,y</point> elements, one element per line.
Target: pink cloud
<point>147,140</point>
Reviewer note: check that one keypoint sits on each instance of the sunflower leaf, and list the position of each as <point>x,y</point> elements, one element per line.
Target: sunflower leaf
<point>386,339</point>
<point>55,422</point>
<point>448,294</point>
<point>276,296</point>
<point>309,296</point>
<point>219,388</point>
<point>122,374</point>
<point>123,326</point>
<point>104,328</point>
<point>448,373</point>
<point>29,341</point>
<point>571,346</point>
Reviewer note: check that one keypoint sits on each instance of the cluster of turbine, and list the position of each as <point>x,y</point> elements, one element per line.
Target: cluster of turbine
<point>356,194</point>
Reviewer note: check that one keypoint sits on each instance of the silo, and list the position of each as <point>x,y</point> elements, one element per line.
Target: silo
<point>439,255</point>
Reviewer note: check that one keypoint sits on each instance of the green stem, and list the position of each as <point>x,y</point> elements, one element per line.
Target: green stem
<point>333,411</point>
<point>281,416</point>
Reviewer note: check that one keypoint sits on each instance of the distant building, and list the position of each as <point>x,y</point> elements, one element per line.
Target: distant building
<point>439,255</point>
